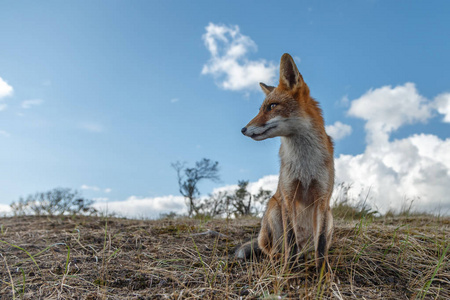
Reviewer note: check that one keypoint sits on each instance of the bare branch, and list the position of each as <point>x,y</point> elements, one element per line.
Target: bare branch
<point>188,179</point>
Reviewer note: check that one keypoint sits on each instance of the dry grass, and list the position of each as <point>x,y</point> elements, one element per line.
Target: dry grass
<point>98,258</point>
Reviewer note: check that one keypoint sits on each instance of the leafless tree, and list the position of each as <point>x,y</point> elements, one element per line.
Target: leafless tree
<point>188,179</point>
<point>241,200</point>
<point>216,204</point>
<point>262,197</point>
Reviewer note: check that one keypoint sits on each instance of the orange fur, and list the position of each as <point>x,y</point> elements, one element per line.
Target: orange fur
<point>298,217</point>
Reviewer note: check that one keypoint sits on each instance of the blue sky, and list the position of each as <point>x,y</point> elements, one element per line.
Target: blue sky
<point>102,96</point>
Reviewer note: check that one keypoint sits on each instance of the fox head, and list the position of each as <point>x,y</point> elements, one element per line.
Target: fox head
<point>287,108</point>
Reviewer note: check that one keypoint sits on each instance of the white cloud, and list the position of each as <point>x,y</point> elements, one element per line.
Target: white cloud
<point>442,104</point>
<point>30,103</point>
<point>4,209</point>
<point>338,130</point>
<point>90,188</point>
<point>269,182</point>
<point>229,64</point>
<point>4,133</point>
<point>386,109</point>
<point>415,167</point>
<point>95,188</point>
<point>174,100</point>
<point>135,207</point>
<point>5,89</point>
<point>91,127</point>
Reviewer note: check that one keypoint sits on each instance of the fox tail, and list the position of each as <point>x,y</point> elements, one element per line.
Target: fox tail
<point>248,251</point>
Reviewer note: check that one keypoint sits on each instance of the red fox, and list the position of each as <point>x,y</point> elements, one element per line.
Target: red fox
<point>298,217</point>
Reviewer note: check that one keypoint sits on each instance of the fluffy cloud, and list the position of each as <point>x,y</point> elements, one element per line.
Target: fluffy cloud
<point>386,109</point>
<point>229,64</point>
<point>5,89</point>
<point>30,103</point>
<point>413,168</point>
<point>338,130</point>
<point>442,105</point>
<point>144,207</point>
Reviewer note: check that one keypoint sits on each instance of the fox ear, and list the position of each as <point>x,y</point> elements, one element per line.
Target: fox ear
<point>289,74</point>
<point>266,89</point>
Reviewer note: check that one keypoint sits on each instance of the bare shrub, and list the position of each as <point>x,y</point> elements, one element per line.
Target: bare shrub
<point>58,201</point>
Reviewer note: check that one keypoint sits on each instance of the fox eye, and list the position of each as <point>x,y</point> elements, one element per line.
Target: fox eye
<point>272,106</point>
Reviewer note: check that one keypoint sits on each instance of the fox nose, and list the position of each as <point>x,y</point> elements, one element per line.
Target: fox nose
<point>243,130</point>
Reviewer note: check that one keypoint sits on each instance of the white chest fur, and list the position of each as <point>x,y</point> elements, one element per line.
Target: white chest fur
<point>303,157</point>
